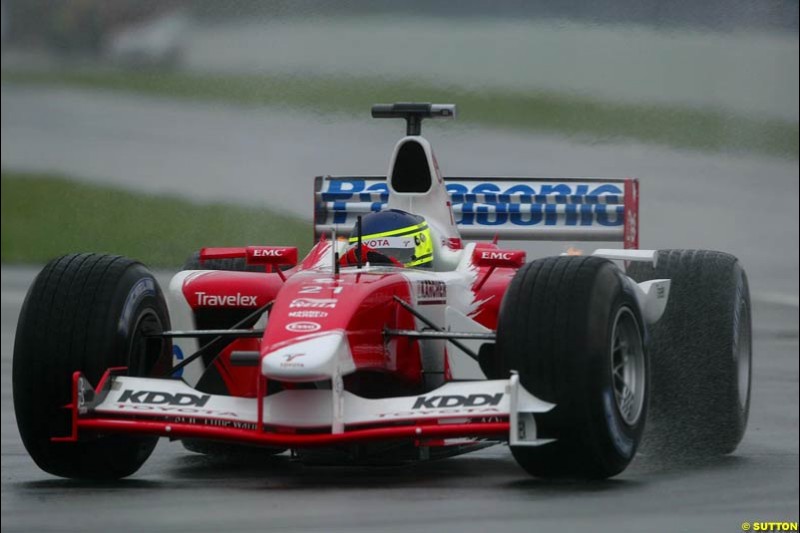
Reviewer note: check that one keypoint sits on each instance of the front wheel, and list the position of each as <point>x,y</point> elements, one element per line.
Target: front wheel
<point>572,329</point>
<point>85,312</point>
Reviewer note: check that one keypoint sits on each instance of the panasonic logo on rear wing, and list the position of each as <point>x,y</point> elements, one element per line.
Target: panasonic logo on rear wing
<point>576,209</point>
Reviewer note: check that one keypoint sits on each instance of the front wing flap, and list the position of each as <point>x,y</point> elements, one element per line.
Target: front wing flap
<point>497,410</point>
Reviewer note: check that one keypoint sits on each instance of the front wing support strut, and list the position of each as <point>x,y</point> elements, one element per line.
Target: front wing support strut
<point>430,324</point>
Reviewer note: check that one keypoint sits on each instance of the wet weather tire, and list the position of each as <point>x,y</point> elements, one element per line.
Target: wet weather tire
<point>85,312</point>
<point>701,352</point>
<point>571,328</point>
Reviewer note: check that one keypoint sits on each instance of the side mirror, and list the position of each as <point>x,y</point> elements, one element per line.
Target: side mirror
<point>254,255</point>
<point>271,255</point>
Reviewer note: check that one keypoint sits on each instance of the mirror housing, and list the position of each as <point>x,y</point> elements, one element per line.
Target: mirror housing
<point>254,255</point>
<point>497,258</point>
<point>271,255</point>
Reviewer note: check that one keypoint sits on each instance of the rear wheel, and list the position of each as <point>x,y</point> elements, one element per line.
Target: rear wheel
<point>571,328</point>
<point>85,312</point>
<point>702,353</point>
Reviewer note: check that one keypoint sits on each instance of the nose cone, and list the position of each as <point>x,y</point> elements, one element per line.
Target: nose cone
<point>314,359</point>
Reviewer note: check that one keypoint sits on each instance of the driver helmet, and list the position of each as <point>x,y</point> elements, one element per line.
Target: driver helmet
<point>401,236</point>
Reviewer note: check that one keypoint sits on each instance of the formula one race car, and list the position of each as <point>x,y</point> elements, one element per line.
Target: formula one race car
<point>395,340</point>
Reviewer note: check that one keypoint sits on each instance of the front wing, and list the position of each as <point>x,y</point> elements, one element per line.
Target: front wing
<point>500,410</point>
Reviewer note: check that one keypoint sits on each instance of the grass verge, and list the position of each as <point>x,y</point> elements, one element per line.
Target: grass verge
<point>44,216</point>
<point>553,113</point>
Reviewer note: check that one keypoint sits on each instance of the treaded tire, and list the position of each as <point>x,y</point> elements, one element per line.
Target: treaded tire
<point>555,329</point>
<point>700,394</point>
<point>221,321</point>
<point>84,312</point>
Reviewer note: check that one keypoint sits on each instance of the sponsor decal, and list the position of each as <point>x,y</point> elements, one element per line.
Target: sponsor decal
<point>229,424</point>
<point>167,409</point>
<point>390,242</point>
<point>236,424</point>
<point>163,398</point>
<point>225,300</point>
<point>302,327</point>
<point>518,203</point>
<point>457,400</point>
<point>308,314</point>
<point>431,292</point>
<point>274,255</point>
<point>269,252</point>
<point>289,360</point>
<point>478,413</point>
<point>499,258</point>
<point>315,303</point>
<point>505,256</point>
<point>481,406</point>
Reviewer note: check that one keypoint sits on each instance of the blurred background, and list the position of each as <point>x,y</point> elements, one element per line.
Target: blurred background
<point>151,128</point>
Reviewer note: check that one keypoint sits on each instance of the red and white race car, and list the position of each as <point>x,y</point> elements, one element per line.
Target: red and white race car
<point>394,339</point>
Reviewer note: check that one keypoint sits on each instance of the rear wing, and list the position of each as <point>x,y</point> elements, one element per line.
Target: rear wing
<point>573,209</point>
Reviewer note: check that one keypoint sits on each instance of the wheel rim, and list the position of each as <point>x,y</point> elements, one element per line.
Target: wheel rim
<point>628,366</point>
<point>742,353</point>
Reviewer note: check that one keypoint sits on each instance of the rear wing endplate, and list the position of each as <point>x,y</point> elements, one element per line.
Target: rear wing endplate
<point>570,209</point>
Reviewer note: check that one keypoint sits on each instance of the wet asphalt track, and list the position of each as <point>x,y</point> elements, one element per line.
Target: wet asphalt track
<point>179,491</point>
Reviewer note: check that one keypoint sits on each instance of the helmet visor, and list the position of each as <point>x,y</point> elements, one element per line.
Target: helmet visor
<point>412,248</point>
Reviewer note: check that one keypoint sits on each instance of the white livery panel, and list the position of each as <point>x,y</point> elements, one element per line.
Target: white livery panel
<point>314,408</point>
